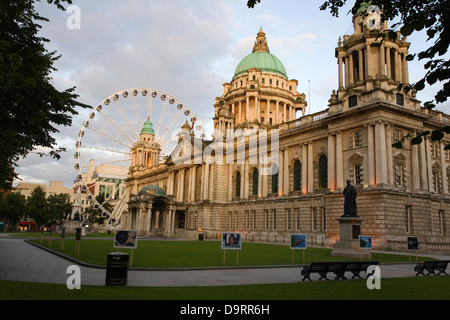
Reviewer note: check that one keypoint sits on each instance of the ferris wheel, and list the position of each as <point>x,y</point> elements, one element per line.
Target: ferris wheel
<point>108,134</point>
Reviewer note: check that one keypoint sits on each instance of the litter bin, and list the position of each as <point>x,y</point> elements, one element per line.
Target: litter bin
<point>200,237</point>
<point>117,269</point>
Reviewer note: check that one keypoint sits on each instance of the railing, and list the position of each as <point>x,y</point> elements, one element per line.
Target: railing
<point>307,119</point>
<point>426,247</point>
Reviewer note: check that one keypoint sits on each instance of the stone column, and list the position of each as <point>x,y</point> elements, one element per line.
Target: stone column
<point>341,73</point>
<point>331,162</point>
<point>367,71</point>
<point>286,171</point>
<point>246,179</point>
<point>415,171</point>
<point>443,168</point>
<point>157,214</point>
<point>388,62</point>
<point>310,167</point>
<point>351,69</point>
<point>247,108</point>
<point>277,110</point>
<point>370,155</point>
<point>382,60</point>
<point>206,182</point>
<point>405,70</point>
<point>423,166</point>
<point>305,169</point>
<point>339,162</point>
<point>194,183</point>
<point>347,72</point>
<point>429,167</point>
<point>148,220</point>
<point>230,182</point>
<point>398,67</point>
<point>360,65</point>
<point>182,181</point>
<point>390,172</point>
<point>281,174</point>
<point>380,150</point>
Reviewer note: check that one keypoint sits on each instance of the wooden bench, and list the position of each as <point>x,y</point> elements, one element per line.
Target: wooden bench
<point>338,268</point>
<point>435,267</point>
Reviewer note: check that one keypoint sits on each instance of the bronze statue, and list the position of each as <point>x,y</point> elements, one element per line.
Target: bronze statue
<point>350,200</point>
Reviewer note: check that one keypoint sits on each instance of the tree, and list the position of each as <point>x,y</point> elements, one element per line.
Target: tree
<point>13,208</point>
<point>30,107</point>
<point>59,208</point>
<point>37,207</point>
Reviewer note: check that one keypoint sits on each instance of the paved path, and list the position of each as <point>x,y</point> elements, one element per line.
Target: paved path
<point>21,261</point>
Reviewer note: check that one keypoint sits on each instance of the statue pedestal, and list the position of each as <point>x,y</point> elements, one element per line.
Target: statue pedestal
<point>348,246</point>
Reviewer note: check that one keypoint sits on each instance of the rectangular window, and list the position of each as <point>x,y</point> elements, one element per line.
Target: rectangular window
<point>352,101</point>
<point>400,99</point>
<point>436,184</point>
<point>357,139</point>
<point>398,175</point>
<point>324,219</point>
<point>358,174</point>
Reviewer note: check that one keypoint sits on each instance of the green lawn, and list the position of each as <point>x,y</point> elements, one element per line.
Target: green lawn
<point>185,254</point>
<point>421,288</point>
<point>180,254</point>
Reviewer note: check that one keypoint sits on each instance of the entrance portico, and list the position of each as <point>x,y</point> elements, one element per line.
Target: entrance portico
<point>152,212</point>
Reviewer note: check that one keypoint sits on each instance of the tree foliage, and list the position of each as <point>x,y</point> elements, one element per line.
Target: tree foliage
<point>37,206</point>
<point>31,108</point>
<point>59,208</point>
<point>12,207</point>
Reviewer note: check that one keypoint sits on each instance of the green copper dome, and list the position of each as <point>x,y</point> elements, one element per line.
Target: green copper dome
<point>261,58</point>
<point>364,6</point>
<point>265,61</point>
<point>152,190</point>
<point>148,128</point>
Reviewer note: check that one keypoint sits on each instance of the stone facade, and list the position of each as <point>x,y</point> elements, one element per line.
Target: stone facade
<point>402,191</point>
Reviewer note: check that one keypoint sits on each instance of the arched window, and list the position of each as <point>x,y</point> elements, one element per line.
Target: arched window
<point>323,172</point>
<point>297,176</point>
<point>275,179</point>
<point>238,185</point>
<point>255,182</point>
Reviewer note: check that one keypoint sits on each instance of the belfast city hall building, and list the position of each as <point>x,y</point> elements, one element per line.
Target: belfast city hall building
<point>268,173</point>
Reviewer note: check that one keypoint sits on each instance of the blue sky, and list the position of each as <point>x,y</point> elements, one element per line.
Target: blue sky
<point>188,49</point>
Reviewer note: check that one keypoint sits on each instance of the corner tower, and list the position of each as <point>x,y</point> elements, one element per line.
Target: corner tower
<point>145,152</point>
<point>260,93</point>
<point>372,64</point>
